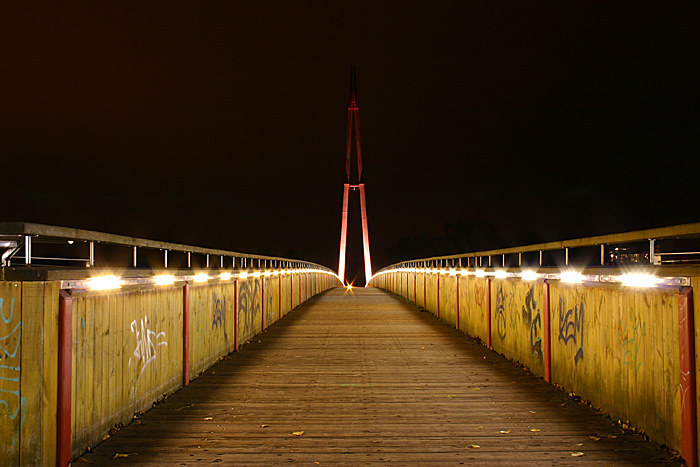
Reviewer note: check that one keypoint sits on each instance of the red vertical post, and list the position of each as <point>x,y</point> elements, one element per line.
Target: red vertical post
<point>547,351</point>
<point>457,287</point>
<point>279,295</point>
<point>65,362</point>
<point>186,334</point>
<point>235,315</point>
<point>343,233</point>
<point>425,294</point>
<point>291,292</point>
<point>686,327</point>
<point>488,312</point>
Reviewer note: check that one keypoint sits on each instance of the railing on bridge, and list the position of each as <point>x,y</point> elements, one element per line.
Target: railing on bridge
<point>617,328</point>
<point>86,345</point>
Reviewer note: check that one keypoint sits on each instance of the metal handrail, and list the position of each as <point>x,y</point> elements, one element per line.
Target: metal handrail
<point>651,235</point>
<point>27,231</point>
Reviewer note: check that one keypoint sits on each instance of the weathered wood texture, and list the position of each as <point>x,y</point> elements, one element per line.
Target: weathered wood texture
<point>27,373</point>
<point>369,379</point>
<point>616,347</point>
<point>127,353</point>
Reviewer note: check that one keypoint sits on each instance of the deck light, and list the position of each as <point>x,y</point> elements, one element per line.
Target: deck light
<point>201,277</point>
<point>571,277</point>
<point>243,275</point>
<point>256,274</point>
<point>529,275</point>
<point>164,279</point>
<point>500,274</point>
<point>480,273</point>
<point>639,280</point>
<point>268,273</point>
<point>225,276</point>
<point>104,283</point>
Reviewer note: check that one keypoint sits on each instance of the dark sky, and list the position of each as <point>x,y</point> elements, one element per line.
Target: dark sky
<point>222,124</point>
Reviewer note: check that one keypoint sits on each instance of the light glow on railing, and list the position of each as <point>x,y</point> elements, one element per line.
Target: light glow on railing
<point>225,276</point>
<point>104,283</point>
<point>243,275</point>
<point>164,279</point>
<point>201,277</point>
<point>529,275</point>
<point>500,274</point>
<point>639,280</point>
<point>480,273</point>
<point>571,277</point>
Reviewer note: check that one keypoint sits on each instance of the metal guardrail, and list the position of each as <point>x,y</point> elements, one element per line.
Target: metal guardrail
<point>18,239</point>
<point>498,258</point>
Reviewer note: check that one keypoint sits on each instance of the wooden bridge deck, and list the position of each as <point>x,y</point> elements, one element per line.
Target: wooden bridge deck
<point>368,379</point>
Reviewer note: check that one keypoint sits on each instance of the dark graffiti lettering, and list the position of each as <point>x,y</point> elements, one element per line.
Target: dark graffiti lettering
<point>571,326</point>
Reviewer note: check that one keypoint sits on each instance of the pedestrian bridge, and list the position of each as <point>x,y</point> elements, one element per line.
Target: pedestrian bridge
<point>236,358</point>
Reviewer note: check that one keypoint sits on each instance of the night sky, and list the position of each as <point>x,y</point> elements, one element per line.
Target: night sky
<point>222,124</point>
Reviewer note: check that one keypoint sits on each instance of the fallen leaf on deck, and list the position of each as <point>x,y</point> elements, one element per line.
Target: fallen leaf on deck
<point>422,348</point>
<point>534,429</point>
<point>473,446</point>
<point>119,454</point>
<point>449,395</point>
<point>207,418</point>
<point>576,454</point>
<point>264,426</point>
<point>82,459</point>
<point>505,432</point>
<point>298,433</point>
<point>532,411</point>
<point>481,427</point>
<point>580,444</point>
<point>476,389</point>
<point>594,438</point>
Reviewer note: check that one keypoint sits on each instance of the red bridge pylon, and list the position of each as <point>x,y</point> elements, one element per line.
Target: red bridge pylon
<point>354,115</point>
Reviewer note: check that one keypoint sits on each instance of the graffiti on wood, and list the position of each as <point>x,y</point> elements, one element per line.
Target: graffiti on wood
<point>532,318</point>
<point>500,313</point>
<point>12,404</point>
<point>219,312</point>
<point>146,351</point>
<point>248,306</point>
<point>571,326</point>
<point>630,330</point>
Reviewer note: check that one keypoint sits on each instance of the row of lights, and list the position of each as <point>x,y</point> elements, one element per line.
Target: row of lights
<point>114,282</point>
<point>636,279</point>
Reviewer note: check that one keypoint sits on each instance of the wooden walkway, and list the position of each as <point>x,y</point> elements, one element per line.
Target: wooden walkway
<point>368,378</point>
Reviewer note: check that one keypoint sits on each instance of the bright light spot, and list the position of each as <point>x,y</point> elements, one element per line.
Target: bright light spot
<point>268,273</point>
<point>480,273</point>
<point>243,275</point>
<point>164,279</point>
<point>463,272</point>
<point>201,277</point>
<point>500,274</point>
<point>256,274</point>
<point>70,242</point>
<point>453,272</point>
<point>639,280</point>
<point>571,277</point>
<point>529,275</point>
<point>225,276</point>
<point>104,283</point>
<point>275,273</point>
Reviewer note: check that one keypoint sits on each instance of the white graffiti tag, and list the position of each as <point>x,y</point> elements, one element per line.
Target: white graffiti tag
<point>147,342</point>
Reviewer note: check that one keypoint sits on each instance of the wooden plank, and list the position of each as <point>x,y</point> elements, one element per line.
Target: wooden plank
<point>370,379</point>
<point>31,361</point>
<point>11,402</point>
<point>49,378</point>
